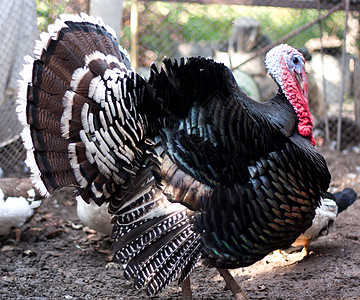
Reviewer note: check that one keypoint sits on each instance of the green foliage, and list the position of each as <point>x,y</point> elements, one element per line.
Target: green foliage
<point>47,12</point>
<point>209,29</point>
<point>163,25</point>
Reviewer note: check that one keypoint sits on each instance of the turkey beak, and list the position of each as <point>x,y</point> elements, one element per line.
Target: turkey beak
<point>302,81</point>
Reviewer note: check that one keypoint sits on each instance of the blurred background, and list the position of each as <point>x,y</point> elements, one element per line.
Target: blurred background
<point>235,32</point>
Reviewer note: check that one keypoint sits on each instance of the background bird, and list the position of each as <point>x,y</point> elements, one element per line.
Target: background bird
<point>94,216</point>
<point>325,215</point>
<point>18,203</point>
<point>189,165</point>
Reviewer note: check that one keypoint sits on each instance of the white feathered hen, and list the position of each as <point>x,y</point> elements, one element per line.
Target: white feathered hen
<point>331,205</point>
<point>94,216</point>
<point>18,202</point>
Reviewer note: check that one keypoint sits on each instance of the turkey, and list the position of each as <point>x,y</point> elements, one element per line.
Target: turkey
<point>325,215</point>
<point>190,167</point>
<point>18,203</point>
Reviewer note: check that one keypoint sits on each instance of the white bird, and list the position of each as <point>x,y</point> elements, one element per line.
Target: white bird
<point>325,216</point>
<point>18,202</point>
<point>94,216</point>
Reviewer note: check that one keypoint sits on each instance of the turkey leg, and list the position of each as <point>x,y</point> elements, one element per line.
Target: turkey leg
<point>186,293</point>
<point>233,285</point>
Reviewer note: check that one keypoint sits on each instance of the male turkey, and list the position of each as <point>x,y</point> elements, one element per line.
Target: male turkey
<point>18,203</point>
<point>191,166</point>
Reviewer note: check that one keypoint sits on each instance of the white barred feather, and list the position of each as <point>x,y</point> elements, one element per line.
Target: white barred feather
<point>21,101</point>
<point>77,76</point>
<point>76,166</point>
<point>91,123</point>
<point>103,147</point>
<point>120,112</point>
<point>128,152</point>
<point>26,75</point>
<point>145,189</point>
<point>100,93</point>
<point>116,136</point>
<point>68,102</point>
<point>107,110</point>
<point>133,129</point>
<point>38,48</point>
<point>164,259</point>
<point>102,120</point>
<point>89,152</point>
<point>36,174</point>
<point>101,163</point>
<point>84,113</point>
<point>98,55</point>
<point>122,156</point>
<point>96,192</point>
<point>105,191</point>
<point>93,86</point>
<point>109,140</point>
<point>53,30</point>
<point>140,125</point>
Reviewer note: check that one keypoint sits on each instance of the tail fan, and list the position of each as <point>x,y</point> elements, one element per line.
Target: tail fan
<point>77,103</point>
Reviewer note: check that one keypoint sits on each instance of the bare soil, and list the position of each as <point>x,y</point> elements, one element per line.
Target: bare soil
<point>58,258</point>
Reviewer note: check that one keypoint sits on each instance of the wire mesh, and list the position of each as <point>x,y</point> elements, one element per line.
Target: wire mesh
<point>231,34</point>
<point>19,24</point>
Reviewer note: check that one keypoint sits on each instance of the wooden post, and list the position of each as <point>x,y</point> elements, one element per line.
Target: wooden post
<point>110,11</point>
<point>343,60</point>
<point>134,33</point>
<point>353,42</point>
<point>356,86</point>
<point>326,117</point>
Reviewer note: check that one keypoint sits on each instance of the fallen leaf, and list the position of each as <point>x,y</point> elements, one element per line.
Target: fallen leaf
<point>261,287</point>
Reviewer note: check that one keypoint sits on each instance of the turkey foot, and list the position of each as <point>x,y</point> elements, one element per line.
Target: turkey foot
<point>305,251</point>
<point>233,285</point>
<point>186,293</point>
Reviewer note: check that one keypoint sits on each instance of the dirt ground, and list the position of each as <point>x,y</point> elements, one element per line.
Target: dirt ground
<point>58,258</point>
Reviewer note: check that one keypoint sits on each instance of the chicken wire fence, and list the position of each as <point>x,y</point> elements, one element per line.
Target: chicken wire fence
<point>237,35</point>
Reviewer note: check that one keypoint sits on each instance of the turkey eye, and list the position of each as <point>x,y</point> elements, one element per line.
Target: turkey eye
<point>295,60</point>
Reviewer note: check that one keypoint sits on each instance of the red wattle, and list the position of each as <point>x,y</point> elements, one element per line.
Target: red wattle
<point>299,101</point>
